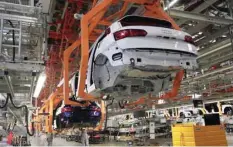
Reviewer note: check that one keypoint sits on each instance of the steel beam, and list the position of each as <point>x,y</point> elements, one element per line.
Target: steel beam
<point>24,9</point>
<point>16,74</point>
<point>206,63</point>
<point>18,18</point>
<point>15,84</point>
<point>26,67</point>
<point>200,17</point>
<point>224,98</point>
<point>122,112</point>
<point>214,35</point>
<point>218,47</point>
<point>16,90</point>
<point>208,74</point>
<point>197,28</point>
<point>198,9</point>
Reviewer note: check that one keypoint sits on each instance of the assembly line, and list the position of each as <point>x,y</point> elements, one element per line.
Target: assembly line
<point>116,73</point>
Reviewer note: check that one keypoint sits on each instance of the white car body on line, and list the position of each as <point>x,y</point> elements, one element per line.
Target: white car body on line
<point>138,55</point>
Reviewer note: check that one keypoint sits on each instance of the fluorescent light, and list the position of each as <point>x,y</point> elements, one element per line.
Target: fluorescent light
<point>172,3</point>
<point>161,101</point>
<point>190,24</point>
<point>27,85</point>
<point>195,96</point>
<point>200,39</point>
<point>40,84</point>
<point>194,36</point>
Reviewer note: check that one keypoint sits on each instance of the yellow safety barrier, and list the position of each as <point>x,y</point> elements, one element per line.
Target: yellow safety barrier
<point>191,135</point>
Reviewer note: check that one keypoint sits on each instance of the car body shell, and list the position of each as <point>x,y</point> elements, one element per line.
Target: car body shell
<point>134,66</point>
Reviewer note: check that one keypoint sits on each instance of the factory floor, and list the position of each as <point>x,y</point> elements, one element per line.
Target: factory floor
<point>62,142</point>
<point>57,141</point>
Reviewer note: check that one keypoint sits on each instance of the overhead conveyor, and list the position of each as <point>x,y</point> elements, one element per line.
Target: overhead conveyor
<point>94,18</point>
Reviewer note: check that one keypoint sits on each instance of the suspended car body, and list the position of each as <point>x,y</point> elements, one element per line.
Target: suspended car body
<point>69,116</point>
<point>138,55</point>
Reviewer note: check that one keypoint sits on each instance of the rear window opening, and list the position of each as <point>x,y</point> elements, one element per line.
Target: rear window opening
<point>144,21</point>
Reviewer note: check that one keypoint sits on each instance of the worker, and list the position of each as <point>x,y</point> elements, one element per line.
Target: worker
<point>10,138</point>
<point>84,138</point>
<point>50,139</point>
<point>43,139</point>
<point>3,141</point>
<point>199,120</point>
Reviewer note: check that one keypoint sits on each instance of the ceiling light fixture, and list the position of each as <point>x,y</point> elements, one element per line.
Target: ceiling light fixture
<point>40,84</point>
<point>161,101</point>
<point>172,3</point>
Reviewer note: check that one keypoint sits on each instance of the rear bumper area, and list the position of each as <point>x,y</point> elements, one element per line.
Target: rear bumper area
<point>157,43</point>
<point>159,60</point>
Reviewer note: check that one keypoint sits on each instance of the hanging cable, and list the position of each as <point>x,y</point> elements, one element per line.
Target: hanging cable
<point>13,38</point>
<point>26,113</point>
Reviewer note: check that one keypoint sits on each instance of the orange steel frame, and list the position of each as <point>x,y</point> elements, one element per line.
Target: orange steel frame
<point>169,95</point>
<point>88,33</point>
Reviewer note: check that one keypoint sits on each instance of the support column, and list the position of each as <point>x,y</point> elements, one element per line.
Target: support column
<point>47,119</point>
<point>20,39</point>
<point>50,129</point>
<point>1,33</point>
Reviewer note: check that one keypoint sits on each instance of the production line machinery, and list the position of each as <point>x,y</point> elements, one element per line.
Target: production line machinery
<point>184,57</point>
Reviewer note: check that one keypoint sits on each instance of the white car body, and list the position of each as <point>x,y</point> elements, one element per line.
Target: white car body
<point>187,113</point>
<point>128,126</point>
<point>142,61</point>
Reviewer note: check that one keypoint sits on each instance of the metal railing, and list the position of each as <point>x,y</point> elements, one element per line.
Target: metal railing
<point>19,9</point>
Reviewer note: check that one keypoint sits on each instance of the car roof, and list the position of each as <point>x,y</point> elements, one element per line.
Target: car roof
<point>128,17</point>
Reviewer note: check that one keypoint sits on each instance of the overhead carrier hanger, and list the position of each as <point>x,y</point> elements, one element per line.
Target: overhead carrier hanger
<point>89,33</point>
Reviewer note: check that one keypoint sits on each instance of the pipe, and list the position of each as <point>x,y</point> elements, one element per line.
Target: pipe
<point>9,83</point>
<point>32,86</point>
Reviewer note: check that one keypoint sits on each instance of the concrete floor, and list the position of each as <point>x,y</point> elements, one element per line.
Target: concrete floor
<point>230,140</point>
<point>62,142</point>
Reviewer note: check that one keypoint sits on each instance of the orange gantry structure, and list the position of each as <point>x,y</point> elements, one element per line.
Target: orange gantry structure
<point>89,33</point>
